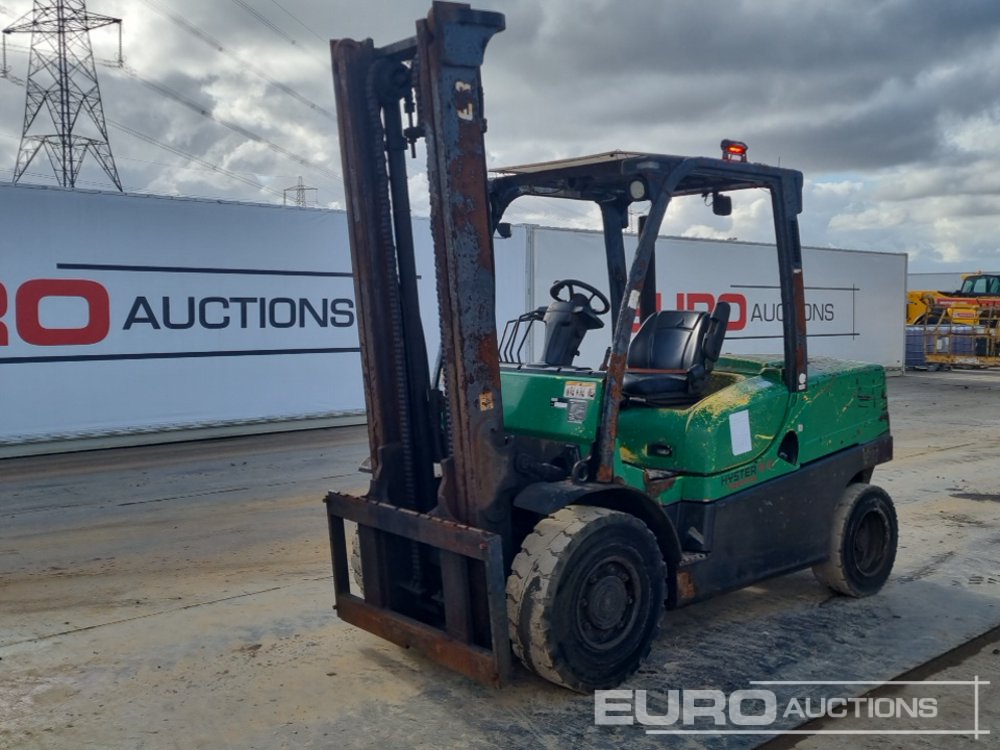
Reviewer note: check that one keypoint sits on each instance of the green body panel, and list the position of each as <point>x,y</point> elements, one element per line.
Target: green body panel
<point>727,441</point>
<point>553,405</point>
<point>847,403</point>
<point>699,437</point>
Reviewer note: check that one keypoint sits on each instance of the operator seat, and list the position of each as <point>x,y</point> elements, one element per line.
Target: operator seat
<point>671,356</point>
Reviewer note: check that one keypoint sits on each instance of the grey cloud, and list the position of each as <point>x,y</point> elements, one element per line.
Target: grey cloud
<point>825,85</point>
<point>873,92</point>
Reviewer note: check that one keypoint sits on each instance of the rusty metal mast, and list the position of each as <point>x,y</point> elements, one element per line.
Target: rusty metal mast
<point>62,79</point>
<point>433,534</point>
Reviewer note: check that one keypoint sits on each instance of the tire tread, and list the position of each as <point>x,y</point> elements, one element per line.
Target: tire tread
<point>540,562</point>
<point>832,572</point>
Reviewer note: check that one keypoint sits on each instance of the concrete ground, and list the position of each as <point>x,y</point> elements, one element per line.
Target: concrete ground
<point>978,659</point>
<point>179,596</point>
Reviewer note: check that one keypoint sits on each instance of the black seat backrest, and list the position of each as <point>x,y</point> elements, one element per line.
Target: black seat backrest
<point>676,340</point>
<point>566,323</point>
<point>688,343</point>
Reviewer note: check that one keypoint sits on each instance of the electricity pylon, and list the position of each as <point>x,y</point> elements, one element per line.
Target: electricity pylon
<point>62,78</point>
<point>299,192</point>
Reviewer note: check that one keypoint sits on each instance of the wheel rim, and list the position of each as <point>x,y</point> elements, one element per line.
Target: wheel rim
<point>871,543</point>
<point>608,607</point>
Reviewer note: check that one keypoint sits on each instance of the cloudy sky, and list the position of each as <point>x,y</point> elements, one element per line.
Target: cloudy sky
<point>891,108</point>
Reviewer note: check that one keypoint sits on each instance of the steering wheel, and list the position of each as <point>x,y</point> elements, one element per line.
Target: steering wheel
<point>572,285</point>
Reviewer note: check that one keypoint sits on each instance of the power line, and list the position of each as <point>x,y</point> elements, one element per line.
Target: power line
<point>13,79</point>
<point>4,67</point>
<point>184,154</point>
<point>280,32</point>
<point>205,163</point>
<point>263,19</point>
<point>99,185</point>
<point>295,18</point>
<point>217,45</point>
<point>168,92</point>
<point>195,167</point>
<point>47,176</point>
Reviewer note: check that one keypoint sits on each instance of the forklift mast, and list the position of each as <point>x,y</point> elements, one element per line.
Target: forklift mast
<point>440,69</point>
<point>434,519</point>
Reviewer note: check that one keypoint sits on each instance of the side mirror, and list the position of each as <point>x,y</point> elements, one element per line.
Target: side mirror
<point>722,205</point>
<point>503,229</point>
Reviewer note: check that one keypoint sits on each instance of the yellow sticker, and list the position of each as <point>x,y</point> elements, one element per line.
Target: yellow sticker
<point>580,389</point>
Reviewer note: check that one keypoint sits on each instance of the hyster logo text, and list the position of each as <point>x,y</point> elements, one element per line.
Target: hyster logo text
<point>738,478</point>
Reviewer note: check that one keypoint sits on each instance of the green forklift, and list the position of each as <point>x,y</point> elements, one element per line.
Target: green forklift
<point>524,503</point>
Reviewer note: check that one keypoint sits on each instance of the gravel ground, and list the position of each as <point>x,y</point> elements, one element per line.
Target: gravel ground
<point>179,596</point>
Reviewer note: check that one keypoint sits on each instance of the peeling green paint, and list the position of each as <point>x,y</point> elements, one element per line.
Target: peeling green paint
<point>846,404</point>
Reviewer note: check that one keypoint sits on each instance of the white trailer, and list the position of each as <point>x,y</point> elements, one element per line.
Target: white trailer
<point>127,319</point>
<point>854,300</point>
<point>133,315</point>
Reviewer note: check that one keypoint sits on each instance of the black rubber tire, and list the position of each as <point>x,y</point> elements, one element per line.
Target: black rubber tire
<point>863,541</point>
<point>574,556</point>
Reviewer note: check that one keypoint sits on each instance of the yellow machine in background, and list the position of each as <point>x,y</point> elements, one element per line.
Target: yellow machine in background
<point>960,328</point>
<point>976,302</point>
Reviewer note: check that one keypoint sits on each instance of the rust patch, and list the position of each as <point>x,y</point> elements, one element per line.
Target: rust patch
<point>612,404</point>
<point>657,485</point>
<point>765,466</point>
<point>685,585</point>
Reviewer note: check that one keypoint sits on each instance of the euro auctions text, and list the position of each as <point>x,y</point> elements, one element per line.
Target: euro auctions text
<point>745,708</point>
<point>771,708</point>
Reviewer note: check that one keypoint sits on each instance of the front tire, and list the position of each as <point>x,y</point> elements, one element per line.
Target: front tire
<point>863,542</point>
<point>585,597</point>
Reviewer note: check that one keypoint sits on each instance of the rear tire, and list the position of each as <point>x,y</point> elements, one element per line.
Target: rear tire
<point>863,541</point>
<point>585,597</point>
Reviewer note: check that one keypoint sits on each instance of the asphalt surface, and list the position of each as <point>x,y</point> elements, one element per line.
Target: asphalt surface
<point>179,596</point>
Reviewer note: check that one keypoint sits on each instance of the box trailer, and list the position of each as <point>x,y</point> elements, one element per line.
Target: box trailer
<point>138,319</point>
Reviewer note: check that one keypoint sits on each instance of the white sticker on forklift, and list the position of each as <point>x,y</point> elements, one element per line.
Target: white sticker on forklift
<point>580,389</point>
<point>739,432</point>
<point>577,411</point>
